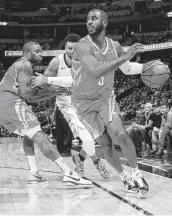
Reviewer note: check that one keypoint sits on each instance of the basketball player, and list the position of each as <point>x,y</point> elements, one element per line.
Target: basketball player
<point>17,117</point>
<point>59,67</point>
<point>94,62</point>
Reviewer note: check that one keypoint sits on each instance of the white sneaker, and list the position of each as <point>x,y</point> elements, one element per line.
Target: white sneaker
<point>35,177</point>
<point>142,185</point>
<point>72,178</point>
<point>130,185</point>
<point>101,167</point>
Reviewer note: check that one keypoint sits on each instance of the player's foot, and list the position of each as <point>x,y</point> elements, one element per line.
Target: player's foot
<point>79,165</point>
<point>72,178</point>
<point>35,177</point>
<point>101,167</point>
<point>142,185</point>
<point>130,185</point>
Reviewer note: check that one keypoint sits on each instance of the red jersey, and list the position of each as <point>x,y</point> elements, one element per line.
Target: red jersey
<point>9,81</point>
<point>18,81</point>
<point>87,86</point>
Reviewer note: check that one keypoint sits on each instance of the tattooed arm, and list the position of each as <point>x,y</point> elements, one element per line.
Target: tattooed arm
<point>30,93</point>
<point>25,72</point>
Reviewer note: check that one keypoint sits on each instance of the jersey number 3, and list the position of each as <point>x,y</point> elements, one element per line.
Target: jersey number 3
<point>101,82</point>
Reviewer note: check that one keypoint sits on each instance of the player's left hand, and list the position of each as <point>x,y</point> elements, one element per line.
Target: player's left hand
<point>37,80</point>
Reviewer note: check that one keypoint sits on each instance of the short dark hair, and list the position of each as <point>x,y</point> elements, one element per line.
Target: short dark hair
<point>74,38</point>
<point>28,46</point>
<point>102,14</point>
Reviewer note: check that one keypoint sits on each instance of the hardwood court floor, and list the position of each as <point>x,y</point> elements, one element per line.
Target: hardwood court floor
<point>105,197</point>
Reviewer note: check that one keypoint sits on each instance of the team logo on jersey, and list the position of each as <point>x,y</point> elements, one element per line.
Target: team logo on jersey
<point>104,62</point>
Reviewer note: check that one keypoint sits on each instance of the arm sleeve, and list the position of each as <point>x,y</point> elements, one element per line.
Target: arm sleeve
<point>64,81</point>
<point>30,94</point>
<point>131,68</point>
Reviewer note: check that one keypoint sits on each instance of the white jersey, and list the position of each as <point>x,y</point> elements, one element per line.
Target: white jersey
<point>63,70</point>
<point>64,101</point>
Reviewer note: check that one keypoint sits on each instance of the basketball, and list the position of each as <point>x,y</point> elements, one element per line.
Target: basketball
<point>155,74</point>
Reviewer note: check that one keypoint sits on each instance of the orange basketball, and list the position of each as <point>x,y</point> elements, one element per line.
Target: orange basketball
<point>155,74</point>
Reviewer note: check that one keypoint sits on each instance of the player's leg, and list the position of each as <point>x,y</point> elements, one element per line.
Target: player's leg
<point>28,146</point>
<point>88,147</point>
<point>109,113</point>
<point>29,149</point>
<point>22,117</point>
<point>95,125</point>
<point>88,143</point>
<point>120,137</point>
<point>59,131</point>
<point>115,128</point>
<point>113,159</point>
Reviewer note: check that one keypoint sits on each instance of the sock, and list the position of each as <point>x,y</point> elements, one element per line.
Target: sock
<point>124,175</point>
<point>81,157</point>
<point>63,165</point>
<point>32,163</point>
<point>136,172</point>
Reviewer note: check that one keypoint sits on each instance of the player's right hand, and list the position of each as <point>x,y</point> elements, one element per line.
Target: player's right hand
<point>37,80</point>
<point>134,49</point>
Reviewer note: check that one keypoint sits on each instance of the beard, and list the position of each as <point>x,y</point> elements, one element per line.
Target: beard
<point>97,31</point>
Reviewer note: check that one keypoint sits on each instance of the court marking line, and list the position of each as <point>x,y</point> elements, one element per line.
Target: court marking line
<point>121,199</point>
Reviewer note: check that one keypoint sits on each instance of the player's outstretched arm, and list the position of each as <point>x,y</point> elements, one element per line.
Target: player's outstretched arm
<point>26,89</point>
<point>50,76</point>
<point>128,68</point>
<point>83,53</point>
<point>63,81</point>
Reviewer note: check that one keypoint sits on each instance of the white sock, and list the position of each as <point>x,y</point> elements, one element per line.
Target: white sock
<point>32,163</point>
<point>124,175</point>
<point>63,165</point>
<point>136,172</point>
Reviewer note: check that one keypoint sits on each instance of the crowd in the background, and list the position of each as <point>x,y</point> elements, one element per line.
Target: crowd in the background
<point>151,38</point>
<point>18,46</point>
<point>152,134</point>
<point>115,34</point>
<point>75,15</point>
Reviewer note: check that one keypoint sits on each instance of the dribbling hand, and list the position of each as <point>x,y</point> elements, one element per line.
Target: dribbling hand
<point>134,49</point>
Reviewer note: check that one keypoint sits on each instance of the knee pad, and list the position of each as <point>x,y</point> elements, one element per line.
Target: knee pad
<point>88,143</point>
<point>31,132</point>
<point>89,147</point>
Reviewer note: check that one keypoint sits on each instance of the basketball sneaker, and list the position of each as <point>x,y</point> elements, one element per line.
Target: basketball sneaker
<point>101,167</point>
<point>35,177</point>
<point>142,185</point>
<point>79,165</point>
<point>130,185</point>
<point>72,178</point>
